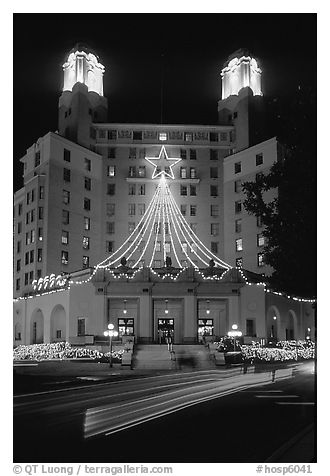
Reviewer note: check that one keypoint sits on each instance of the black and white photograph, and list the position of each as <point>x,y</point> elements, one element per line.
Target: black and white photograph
<point>164,245</point>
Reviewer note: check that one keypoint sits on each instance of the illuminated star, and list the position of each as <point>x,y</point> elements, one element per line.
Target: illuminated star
<point>162,164</point>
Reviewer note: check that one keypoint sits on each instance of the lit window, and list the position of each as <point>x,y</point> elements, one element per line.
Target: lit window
<point>214,229</point>
<point>33,233</point>
<point>66,197</point>
<point>214,210</point>
<point>193,172</point>
<point>238,167</point>
<point>239,244</point>
<point>142,171</point>
<point>85,242</point>
<point>65,257</point>
<point>65,237</point>
<point>260,240</point>
<point>239,262</point>
<point>39,255</point>
<point>111,170</point>
<point>260,259</point>
<point>184,247</point>
<point>158,246</point>
<point>259,159</point>
<point>111,189</point>
<point>85,261</point>
<point>238,186</point>
<point>40,234</point>
<point>132,171</point>
<point>87,223</point>
<point>162,136</point>
<point>183,209</point>
<point>167,247</point>
<point>131,209</point>
<point>188,137</point>
<point>183,172</point>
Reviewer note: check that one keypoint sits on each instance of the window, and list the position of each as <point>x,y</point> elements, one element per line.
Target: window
<point>19,227</point>
<point>167,247</point>
<point>26,279</point>
<point>193,154</point>
<point>213,190</point>
<point>158,247</point>
<point>32,256</point>
<point>183,190</point>
<point>250,328</point>
<point>213,172</point>
<point>213,154</point>
<point>41,192</point>
<point>112,153</point>
<point>27,218</point>
<point>259,159</point>
<point>223,136</point>
<point>259,221</point>
<point>214,229</point>
<point>18,247</point>
<point>214,137</point>
<point>65,237</point>
<point>67,155</point>
<point>41,213</point>
<point>193,190</point>
<point>162,136</point>
<point>33,235</point>
<point>184,246</point>
<point>87,164</point>
<point>85,262</point>
<point>87,223</point>
<point>88,183</point>
<point>27,238</point>
<point>131,227</point>
<point>20,209</point>
<point>37,159</point>
<point>239,244</point>
<point>214,247</point>
<point>31,277</point>
<point>28,198</point>
<point>238,206</point>
<point>102,133</point>
<point>193,227</point>
<point>111,170</point>
<point>112,135</point>
<point>110,246</point>
<point>92,130</point>
<point>66,197</point>
<point>132,153</point>
<point>26,258</point>
<point>238,225</point>
<point>141,208</point>
<point>142,153</point>
<point>214,210</point>
<point>183,172</point>
<point>110,209</point>
<point>58,334</point>
<point>132,171</point>
<point>183,209</point>
<point>65,217</point>
<point>32,195</point>
<point>260,240</point>
<point>239,262</point>
<point>137,135</point>
<point>39,255</point>
<point>38,273</point>
<point>131,189</point>
<point>66,175</point>
<point>85,242</point>
<point>193,172</point>
<point>193,210</point>
<point>259,177</point>
<point>188,137</point>
<point>18,284</point>
<point>157,263</point>
<point>183,154</point>
<point>142,189</point>
<point>131,209</point>
<point>18,265</point>
<point>40,234</point>
<point>260,259</point>
<point>87,204</point>
<point>157,228</point>
<point>238,186</point>
<point>110,227</point>
<point>141,171</point>
<point>111,189</point>
<point>81,322</point>
<point>238,167</point>
<point>65,257</point>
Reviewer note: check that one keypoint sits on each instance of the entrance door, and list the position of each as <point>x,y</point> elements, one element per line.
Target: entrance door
<point>165,331</point>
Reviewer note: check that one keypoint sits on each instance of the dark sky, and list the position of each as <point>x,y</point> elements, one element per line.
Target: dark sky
<point>134,48</point>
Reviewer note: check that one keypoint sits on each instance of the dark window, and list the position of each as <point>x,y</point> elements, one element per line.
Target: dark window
<point>131,189</point>
<point>112,135</point>
<point>235,115</point>
<point>41,213</point>
<point>193,154</point>
<point>183,190</point>
<point>259,221</point>
<point>250,328</point>
<point>66,197</point>
<point>193,190</point>
<point>37,159</point>
<point>238,206</point>
<point>87,204</point>
<point>239,262</point>
<point>88,183</point>
<point>137,135</point>
<point>259,159</point>
<point>18,265</point>
<point>110,246</point>
<point>18,284</point>
<point>238,225</point>
<point>81,326</point>
<point>193,172</point>
<point>238,186</point>
<point>214,137</point>
<point>41,192</point>
<point>39,255</point>
<point>238,167</point>
<point>213,154</point>
<point>132,153</point>
<point>67,155</point>
<point>65,217</point>
<point>213,190</point>
<point>110,227</point>
<point>19,227</point>
<point>193,210</point>
<point>111,189</point>
<point>213,172</point>
<point>223,136</point>
<point>87,165</point>
<point>112,152</point>
<point>183,154</point>
<point>26,279</point>
<point>67,175</point>
<point>214,247</point>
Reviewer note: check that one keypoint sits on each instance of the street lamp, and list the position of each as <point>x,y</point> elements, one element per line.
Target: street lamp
<point>111,333</point>
<point>234,333</point>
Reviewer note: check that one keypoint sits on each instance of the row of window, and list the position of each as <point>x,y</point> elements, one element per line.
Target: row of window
<point>113,134</point>
<point>28,278</point>
<point>239,242</point>
<point>260,260</point>
<point>110,228</point>
<point>30,237</point>
<point>65,259</point>
<point>259,160</point>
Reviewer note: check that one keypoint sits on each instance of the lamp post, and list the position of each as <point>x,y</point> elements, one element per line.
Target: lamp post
<point>111,333</point>
<point>234,333</point>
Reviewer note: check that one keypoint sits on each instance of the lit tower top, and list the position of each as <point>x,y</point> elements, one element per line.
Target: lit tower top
<point>83,66</point>
<point>241,70</point>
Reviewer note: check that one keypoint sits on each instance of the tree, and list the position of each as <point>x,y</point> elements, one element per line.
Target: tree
<point>290,219</point>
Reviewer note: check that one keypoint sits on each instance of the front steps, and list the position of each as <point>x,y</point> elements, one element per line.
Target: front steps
<point>184,356</point>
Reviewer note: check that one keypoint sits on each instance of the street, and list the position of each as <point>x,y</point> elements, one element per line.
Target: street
<point>198,416</point>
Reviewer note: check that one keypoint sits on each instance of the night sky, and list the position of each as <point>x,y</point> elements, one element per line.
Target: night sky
<point>135,48</point>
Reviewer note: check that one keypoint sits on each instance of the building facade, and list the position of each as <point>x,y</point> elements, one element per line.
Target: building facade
<point>87,185</point>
